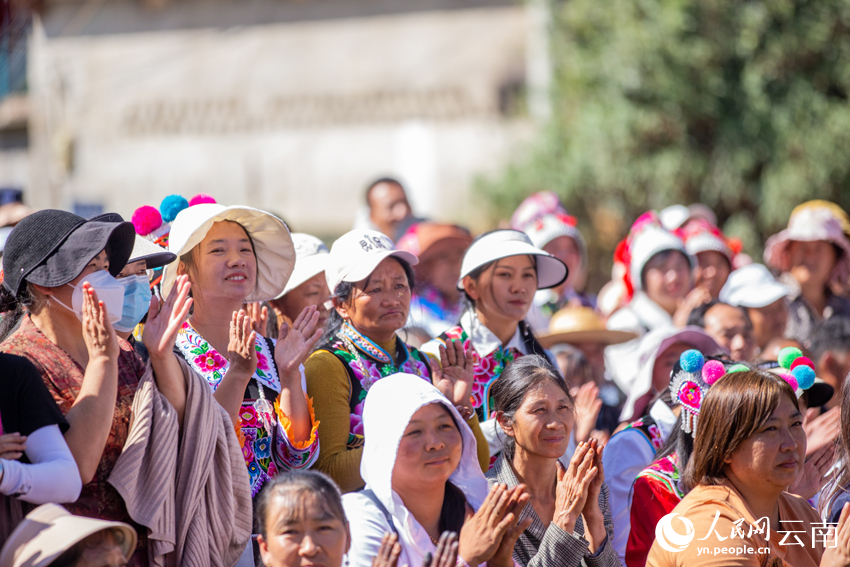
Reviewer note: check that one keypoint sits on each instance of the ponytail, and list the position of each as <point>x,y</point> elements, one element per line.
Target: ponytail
<point>13,308</point>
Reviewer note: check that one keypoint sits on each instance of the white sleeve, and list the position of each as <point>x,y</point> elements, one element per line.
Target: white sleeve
<point>51,476</point>
<point>368,525</point>
<point>627,454</point>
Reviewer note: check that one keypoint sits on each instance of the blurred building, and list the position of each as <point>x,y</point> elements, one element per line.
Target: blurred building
<point>287,105</point>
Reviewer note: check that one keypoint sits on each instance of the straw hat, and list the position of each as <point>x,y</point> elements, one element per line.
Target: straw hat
<point>50,530</point>
<point>272,244</point>
<point>575,325</point>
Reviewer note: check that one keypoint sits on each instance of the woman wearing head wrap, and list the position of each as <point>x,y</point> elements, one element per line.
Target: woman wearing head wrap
<point>811,253</point>
<point>715,254</point>
<point>423,478</point>
<point>61,268</point>
<point>552,229</point>
<point>658,280</point>
<point>371,282</point>
<point>234,255</point>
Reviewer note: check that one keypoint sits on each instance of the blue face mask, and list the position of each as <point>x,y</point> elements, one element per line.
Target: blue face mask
<point>137,302</point>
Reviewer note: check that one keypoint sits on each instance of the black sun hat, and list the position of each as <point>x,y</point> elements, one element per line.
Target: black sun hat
<point>52,247</point>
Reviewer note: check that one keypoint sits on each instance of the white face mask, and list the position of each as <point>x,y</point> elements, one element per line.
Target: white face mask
<point>108,289</point>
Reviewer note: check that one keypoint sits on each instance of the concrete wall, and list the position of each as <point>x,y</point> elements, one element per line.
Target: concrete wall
<point>293,117</point>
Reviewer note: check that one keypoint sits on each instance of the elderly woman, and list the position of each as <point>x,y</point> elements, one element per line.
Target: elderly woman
<point>423,479</point>
<point>371,282</point>
<point>749,448</point>
<point>62,268</point>
<point>234,255</point>
<point>571,520</point>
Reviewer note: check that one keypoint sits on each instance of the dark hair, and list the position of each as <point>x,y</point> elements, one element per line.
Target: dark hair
<point>679,442</point>
<point>697,314</point>
<point>73,554</point>
<point>293,486</point>
<point>831,334</point>
<point>662,256</point>
<point>12,308</point>
<point>344,292</point>
<point>513,384</point>
<point>378,181</point>
<point>735,407</point>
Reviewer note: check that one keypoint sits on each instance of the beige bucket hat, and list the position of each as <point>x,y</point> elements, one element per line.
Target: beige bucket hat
<point>272,244</point>
<point>50,530</point>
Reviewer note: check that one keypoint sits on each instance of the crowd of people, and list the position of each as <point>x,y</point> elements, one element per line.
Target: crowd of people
<point>202,387</point>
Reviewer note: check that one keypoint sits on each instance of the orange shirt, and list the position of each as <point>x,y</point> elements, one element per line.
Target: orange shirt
<point>748,548</point>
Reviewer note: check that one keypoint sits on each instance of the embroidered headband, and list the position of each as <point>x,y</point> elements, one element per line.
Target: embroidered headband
<point>689,386</point>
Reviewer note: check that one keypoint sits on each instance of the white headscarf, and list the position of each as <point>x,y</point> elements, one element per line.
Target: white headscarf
<point>389,406</point>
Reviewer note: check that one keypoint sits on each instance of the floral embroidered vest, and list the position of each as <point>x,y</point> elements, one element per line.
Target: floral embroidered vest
<point>486,368</point>
<point>366,363</point>
<point>666,472</point>
<point>265,444</point>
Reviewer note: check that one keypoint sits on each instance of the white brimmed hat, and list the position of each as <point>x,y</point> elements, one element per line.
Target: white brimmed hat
<point>155,256</point>
<point>50,530</point>
<point>272,244</point>
<point>752,286</point>
<point>311,259</point>
<point>498,244</point>
<point>356,254</point>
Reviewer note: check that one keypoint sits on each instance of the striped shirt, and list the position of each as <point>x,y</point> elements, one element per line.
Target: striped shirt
<point>550,546</point>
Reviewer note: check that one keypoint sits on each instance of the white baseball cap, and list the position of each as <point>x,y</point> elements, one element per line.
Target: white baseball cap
<point>311,259</point>
<point>498,244</point>
<point>752,286</point>
<point>356,254</point>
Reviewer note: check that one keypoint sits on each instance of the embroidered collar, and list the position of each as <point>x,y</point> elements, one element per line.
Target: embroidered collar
<point>213,366</point>
<point>483,339</point>
<point>369,347</point>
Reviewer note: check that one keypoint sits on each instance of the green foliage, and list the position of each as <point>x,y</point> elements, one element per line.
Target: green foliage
<point>742,106</point>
